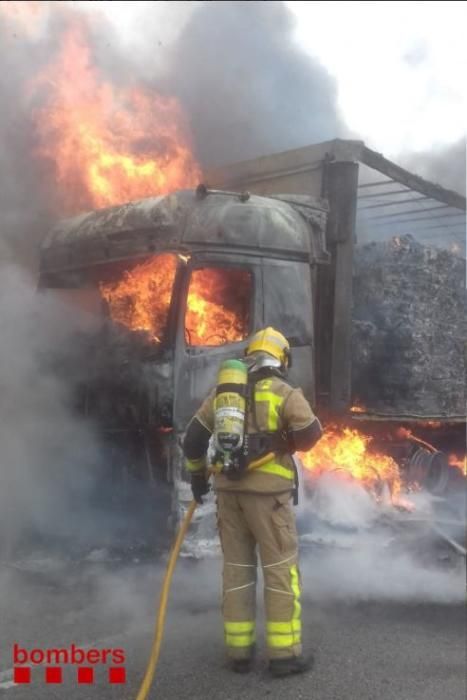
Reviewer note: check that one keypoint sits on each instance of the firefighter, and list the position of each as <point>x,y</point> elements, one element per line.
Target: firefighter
<point>254,506</point>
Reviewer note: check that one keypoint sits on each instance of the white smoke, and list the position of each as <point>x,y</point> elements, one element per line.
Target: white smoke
<point>356,550</point>
<point>47,455</point>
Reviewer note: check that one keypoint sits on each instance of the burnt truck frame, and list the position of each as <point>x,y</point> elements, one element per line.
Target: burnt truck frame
<point>292,220</point>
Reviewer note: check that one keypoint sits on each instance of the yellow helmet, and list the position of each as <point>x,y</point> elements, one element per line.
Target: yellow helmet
<point>273,343</point>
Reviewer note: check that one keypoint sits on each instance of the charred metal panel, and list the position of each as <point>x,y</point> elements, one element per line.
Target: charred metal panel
<point>160,212</point>
<point>128,382</point>
<point>259,223</point>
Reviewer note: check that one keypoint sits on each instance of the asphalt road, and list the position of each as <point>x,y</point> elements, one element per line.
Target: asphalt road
<point>364,650</point>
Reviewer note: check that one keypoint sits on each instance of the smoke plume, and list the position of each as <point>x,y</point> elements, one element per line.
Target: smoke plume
<point>244,86</point>
<point>248,88</point>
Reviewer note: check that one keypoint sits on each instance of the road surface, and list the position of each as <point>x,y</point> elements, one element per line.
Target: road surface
<point>364,650</point>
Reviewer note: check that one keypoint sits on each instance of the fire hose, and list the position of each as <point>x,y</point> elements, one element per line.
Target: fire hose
<point>164,597</point>
<point>160,620</point>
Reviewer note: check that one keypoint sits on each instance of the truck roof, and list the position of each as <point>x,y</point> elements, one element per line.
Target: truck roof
<point>186,220</point>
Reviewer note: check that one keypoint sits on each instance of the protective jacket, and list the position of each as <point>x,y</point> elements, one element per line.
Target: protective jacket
<point>276,408</point>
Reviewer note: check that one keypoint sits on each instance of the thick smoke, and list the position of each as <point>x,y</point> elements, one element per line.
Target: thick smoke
<point>354,549</point>
<point>24,200</point>
<point>351,549</point>
<point>248,88</point>
<point>59,485</point>
<point>47,455</point>
<point>245,86</point>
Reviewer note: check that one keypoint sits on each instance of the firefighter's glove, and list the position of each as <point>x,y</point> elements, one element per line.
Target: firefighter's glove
<point>284,442</point>
<point>199,486</point>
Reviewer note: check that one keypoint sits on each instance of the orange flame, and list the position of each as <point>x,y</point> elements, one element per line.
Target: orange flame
<point>140,300</point>
<point>217,305</point>
<point>357,409</point>
<point>459,461</point>
<point>346,452</point>
<point>108,144</point>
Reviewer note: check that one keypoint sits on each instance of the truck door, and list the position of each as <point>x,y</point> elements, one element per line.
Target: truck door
<point>220,304</point>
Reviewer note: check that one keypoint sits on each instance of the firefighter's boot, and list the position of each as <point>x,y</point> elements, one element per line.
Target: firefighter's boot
<point>242,665</point>
<point>290,666</point>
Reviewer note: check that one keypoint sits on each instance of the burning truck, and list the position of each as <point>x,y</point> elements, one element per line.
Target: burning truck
<point>177,283</point>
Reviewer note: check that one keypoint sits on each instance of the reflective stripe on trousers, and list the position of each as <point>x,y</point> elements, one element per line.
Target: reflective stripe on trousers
<point>284,635</point>
<point>239,635</point>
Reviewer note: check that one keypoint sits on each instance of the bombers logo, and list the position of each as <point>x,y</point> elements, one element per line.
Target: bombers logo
<point>53,660</point>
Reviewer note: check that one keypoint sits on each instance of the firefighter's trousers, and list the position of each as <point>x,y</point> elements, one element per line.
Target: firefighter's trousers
<point>246,520</point>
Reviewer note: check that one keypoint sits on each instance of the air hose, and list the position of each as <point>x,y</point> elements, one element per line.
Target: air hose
<point>160,619</point>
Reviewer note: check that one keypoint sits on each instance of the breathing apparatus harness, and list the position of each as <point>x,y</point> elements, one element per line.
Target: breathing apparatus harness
<point>235,448</point>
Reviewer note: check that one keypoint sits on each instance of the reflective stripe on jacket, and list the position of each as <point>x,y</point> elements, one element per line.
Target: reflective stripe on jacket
<point>277,407</point>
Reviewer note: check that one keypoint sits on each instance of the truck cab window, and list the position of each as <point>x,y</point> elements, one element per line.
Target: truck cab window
<point>139,296</point>
<point>218,306</point>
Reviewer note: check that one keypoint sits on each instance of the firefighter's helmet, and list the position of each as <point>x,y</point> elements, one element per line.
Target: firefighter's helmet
<point>270,344</point>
